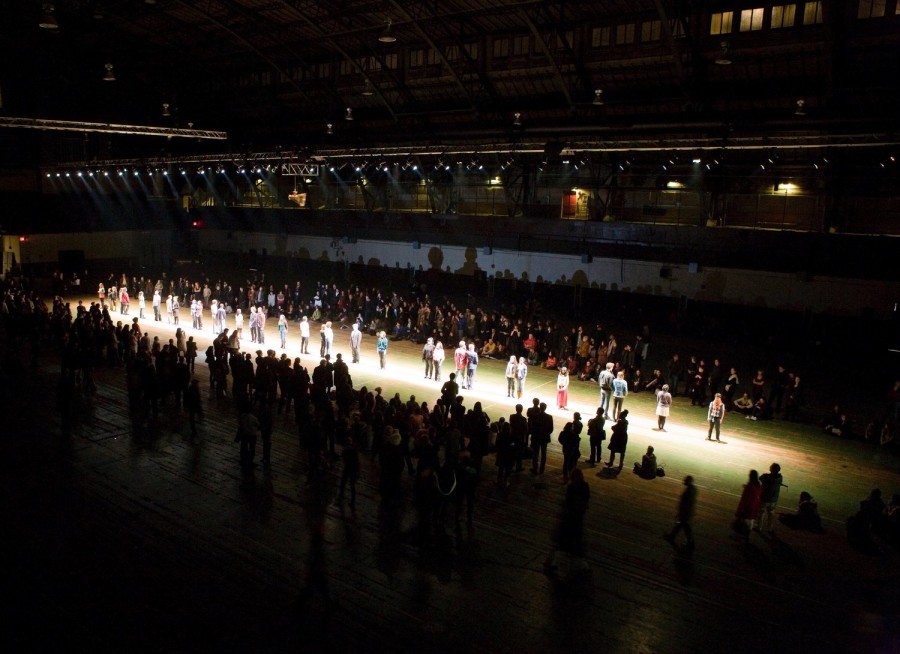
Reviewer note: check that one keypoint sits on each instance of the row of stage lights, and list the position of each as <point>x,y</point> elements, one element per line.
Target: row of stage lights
<point>164,172</point>
<point>473,166</point>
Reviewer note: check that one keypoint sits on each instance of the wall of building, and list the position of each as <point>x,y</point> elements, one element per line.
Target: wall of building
<point>821,294</point>
<point>152,248</point>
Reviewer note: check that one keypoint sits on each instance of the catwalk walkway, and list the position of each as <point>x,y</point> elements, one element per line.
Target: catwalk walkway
<point>134,538</point>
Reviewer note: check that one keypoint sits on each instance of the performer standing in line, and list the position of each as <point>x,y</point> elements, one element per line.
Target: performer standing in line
<point>382,345</point>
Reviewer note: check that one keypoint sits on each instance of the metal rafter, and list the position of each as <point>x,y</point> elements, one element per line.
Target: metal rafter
<point>440,51</point>
<point>109,128</point>
<point>349,58</point>
<point>557,76</point>
<point>244,41</point>
<point>683,81</point>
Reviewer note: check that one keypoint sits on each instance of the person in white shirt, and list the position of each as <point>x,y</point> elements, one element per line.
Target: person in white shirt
<point>238,322</point>
<point>328,335</point>
<point>157,303</point>
<point>355,342</point>
<point>304,335</point>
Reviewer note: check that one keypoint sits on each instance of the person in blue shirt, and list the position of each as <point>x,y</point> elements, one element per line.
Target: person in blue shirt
<point>619,391</point>
<point>382,345</point>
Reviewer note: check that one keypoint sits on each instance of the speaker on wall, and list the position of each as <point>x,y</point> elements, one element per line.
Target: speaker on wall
<point>587,258</point>
<point>488,249</point>
<point>693,267</point>
<point>416,245</point>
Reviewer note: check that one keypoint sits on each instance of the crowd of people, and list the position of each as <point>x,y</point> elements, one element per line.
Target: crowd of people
<point>442,444</point>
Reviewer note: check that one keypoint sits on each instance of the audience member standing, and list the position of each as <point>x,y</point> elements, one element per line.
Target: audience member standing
<point>686,506</point>
<point>748,506</point>
<point>618,441</point>
<point>771,488</point>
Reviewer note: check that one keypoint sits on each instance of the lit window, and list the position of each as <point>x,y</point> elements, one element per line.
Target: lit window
<point>650,31</point>
<point>752,19</point>
<point>600,37</point>
<point>346,68</point>
<point>391,60</point>
<point>721,23</point>
<point>501,48</point>
<point>783,16</point>
<point>452,53</point>
<point>374,64</point>
<point>624,34</point>
<point>416,58</point>
<point>432,58</point>
<point>812,13</point>
<point>471,50</point>
<point>871,8</point>
<point>677,27</point>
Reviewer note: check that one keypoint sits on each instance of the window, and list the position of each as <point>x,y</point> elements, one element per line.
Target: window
<point>721,23</point>
<point>345,68</point>
<point>521,45</point>
<point>323,70</point>
<point>416,58</point>
<point>452,53</point>
<point>812,13</point>
<point>471,50</point>
<point>624,34</point>
<point>374,64</point>
<point>677,27</point>
<point>650,31</point>
<point>432,58</point>
<point>563,42</point>
<point>600,37</point>
<point>783,16</point>
<point>752,19</point>
<point>391,61</point>
<point>501,47</point>
<point>871,8</point>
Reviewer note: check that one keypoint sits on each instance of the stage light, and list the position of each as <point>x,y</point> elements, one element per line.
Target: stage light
<point>48,17</point>
<point>109,75</point>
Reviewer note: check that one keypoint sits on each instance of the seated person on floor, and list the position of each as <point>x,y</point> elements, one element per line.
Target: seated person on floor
<point>647,467</point>
<point>760,410</point>
<point>743,404</point>
<point>551,362</point>
<point>840,427</point>
<point>587,373</point>
<point>637,382</point>
<point>490,349</point>
<point>655,382</point>
<point>807,516</point>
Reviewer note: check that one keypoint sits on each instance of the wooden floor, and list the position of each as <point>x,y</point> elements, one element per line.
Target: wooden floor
<point>133,537</point>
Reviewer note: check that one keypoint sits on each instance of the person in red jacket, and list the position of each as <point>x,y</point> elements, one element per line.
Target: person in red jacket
<point>748,506</point>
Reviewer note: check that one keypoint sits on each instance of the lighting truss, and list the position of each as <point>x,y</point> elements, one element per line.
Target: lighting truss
<point>300,169</point>
<point>109,128</point>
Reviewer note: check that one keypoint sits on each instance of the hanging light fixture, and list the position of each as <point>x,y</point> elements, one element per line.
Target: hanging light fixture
<point>598,98</point>
<point>165,112</point>
<point>801,108</point>
<point>349,114</point>
<point>329,128</point>
<point>109,75</point>
<point>367,89</point>
<point>723,58</point>
<point>517,119</point>
<point>386,35</point>
<point>48,17</point>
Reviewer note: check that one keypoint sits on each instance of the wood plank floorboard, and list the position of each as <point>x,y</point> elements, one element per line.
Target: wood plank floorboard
<point>132,536</point>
